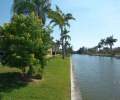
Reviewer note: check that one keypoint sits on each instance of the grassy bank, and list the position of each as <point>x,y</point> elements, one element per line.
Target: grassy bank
<point>54,86</point>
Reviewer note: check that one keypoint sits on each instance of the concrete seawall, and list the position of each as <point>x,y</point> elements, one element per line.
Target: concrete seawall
<point>75,91</point>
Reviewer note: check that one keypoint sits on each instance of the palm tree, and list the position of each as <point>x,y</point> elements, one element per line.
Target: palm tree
<point>102,42</point>
<point>99,46</point>
<point>56,47</point>
<point>65,38</point>
<point>62,20</point>
<point>58,44</point>
<point>110,41</point>
<point>67,47</point>
<point>39,7</point>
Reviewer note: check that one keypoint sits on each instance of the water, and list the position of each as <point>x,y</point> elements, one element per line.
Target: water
<point>98,77</point>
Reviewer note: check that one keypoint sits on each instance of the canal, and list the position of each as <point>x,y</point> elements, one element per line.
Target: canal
<point>98,77</point>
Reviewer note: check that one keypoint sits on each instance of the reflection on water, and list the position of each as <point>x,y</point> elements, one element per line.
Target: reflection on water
<point>99,77</point>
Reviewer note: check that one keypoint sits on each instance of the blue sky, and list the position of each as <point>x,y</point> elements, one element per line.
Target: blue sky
<point>95,19</point>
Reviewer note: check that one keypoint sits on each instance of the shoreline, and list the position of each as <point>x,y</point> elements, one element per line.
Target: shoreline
<point>75,91</point>
<point>103,55</point>
<point>106,55</point>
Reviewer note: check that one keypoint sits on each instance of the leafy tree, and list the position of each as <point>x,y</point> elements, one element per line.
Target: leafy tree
<point>62,20</point>
<point>82,50</point>
<point>25,43</point>
<point>39,7</point>
<point>1,30</point>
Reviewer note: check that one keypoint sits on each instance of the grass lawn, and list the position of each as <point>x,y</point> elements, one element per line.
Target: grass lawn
<point>54,86</point>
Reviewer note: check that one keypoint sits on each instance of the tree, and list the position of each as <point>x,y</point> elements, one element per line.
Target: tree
<point>62,20</point>
<point>25,43</point>
<point>99,46</point>
<point>39,7</point>
<point>1,30</point>
<point>82,50</point>
<point>68,48</point>
<point>102,42</point>
<point>65,38</point>
<point>110,41</point>
<point>58,43</point>
<point>57,46</point>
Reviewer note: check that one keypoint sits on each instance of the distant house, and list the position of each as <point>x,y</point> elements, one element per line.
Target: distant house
<point>50,51</point>
<point>54,50</point>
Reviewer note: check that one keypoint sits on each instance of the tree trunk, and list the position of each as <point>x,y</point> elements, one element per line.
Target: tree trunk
<point>65,47</point>
<point>110,47</point>
<point>23,71</point>
<point>30,72</point>
<point>63,54</point>
<point>55,50</point>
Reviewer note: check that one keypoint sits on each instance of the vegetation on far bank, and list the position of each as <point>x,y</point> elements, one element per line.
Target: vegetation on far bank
<point>104,48</point>
<point>55,84</point>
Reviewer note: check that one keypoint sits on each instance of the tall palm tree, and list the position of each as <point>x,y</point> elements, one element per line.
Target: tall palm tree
<point>110,41</point>
<point>62,20</point>
<point>39,7</point>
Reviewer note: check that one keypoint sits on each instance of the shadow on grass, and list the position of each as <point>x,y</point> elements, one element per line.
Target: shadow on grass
<point>10,81</point>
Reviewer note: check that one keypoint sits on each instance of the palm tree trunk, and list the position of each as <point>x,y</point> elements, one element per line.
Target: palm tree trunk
<point>23,71</point>
<point>65,50</point>
<point>111,48</point>
<point>63,54</point>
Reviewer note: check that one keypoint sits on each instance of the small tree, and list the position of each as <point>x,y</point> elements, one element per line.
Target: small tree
<point>65,38</point>
<point>99,46</point>
<point>25,43</point>
<point>110,41</point>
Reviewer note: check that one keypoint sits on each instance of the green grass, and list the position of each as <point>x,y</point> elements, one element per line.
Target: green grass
<point>54,86</point>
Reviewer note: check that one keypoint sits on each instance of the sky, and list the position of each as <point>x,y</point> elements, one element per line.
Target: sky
<point>95,19</point>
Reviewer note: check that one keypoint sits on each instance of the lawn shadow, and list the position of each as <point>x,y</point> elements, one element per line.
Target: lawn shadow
<point>10,81</point>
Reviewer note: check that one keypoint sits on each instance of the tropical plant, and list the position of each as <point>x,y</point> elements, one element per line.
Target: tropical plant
<point>39,7</point>
<point>57,46</point>
<point>58,43</point>
<point>99,46</point>
<point>25,43</point>
<point>110,41</point>
<point>65,38</point>
<point>68,48</point>
<point>102,42</point>
<point>62,20</point>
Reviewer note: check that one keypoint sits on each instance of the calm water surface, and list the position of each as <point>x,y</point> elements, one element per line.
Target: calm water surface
<point>98,77</point>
